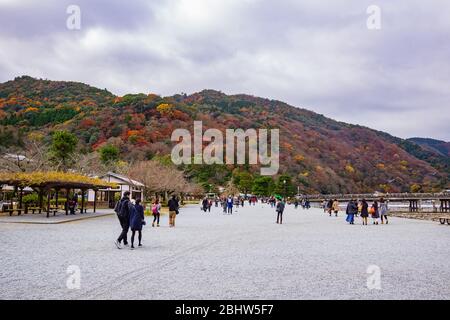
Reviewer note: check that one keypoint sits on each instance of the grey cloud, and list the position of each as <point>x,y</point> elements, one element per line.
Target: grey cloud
<point>314,54</point>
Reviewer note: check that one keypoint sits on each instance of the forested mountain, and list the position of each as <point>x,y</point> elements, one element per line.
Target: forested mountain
<point>438,146</point>
<point>318,153</point>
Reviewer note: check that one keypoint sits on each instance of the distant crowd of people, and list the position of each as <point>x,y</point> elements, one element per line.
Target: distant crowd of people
<point>378,210</point>
<point>227,203</point>
<point>230,202</point>
<point>131,212</point>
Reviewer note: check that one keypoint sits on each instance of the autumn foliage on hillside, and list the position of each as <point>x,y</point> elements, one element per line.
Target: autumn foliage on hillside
<point>320,154</point>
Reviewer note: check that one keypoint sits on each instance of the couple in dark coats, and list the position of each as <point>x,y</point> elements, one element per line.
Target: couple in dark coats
<point>130,216</point>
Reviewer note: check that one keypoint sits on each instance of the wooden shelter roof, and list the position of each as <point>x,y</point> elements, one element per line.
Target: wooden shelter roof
<point>52,179</point>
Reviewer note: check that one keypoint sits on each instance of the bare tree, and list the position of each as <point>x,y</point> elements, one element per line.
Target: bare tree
<point>160,179</point>
<point>34,157</point>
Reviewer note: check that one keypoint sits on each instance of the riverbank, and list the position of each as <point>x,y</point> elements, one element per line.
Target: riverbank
<point>428,216</point>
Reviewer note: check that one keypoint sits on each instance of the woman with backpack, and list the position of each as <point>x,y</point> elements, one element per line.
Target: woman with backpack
<point>136,222</point>
<point>156,211</point>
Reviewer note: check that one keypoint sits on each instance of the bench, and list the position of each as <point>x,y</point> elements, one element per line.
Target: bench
<point>11,211</point>
<point>33,209</point>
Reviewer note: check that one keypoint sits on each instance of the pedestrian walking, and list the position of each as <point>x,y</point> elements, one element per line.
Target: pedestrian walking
<point>280,209</point>
<point>374,212</point>
<point>224,205</point>
<point>330,206</point>
<point>156,211</point>
<point>209,205</point>
<point>307,204</point>
<point>230,205</point>
<point>352,209</point>
<point>384,211</point>
<point>335,207</point>
<point>364,211</point>
<point>205,204</point>
<point>122,210</point>
<point>137,220</point>
<point>173,210</point>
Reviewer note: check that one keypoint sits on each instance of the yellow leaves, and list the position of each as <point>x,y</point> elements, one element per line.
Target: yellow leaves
<point>121,165</point>
<point>35,136</point>
<point>39,178</point>
<point>403,165</point>
<point>304,174</point>
<point>165,109</point>
<point>381,166</point>
<point>287,146</point>
<point>299,158</point>
<point>31,109</point>
<point>349,169</point>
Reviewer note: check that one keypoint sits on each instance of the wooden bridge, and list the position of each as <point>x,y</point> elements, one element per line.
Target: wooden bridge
<point>415,199</point>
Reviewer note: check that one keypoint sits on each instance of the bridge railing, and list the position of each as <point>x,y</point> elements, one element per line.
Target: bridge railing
<point>405,196</point>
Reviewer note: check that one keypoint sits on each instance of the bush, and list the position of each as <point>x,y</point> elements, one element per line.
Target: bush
<point>32,198</point>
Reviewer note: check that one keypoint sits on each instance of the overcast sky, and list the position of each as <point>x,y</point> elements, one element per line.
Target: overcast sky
<point>318,55</point>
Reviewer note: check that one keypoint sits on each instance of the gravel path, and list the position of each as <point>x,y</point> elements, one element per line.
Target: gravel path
<point>242,256</point>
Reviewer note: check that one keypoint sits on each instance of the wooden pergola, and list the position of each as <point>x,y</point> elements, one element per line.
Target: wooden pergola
<point>45,182</point>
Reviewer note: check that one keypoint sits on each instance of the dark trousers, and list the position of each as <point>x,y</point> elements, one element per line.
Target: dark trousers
<point>230,210</point>
<point>125,224</point>
<point>280,217</point>
<point>156,218</point>
<point>133,232</point>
